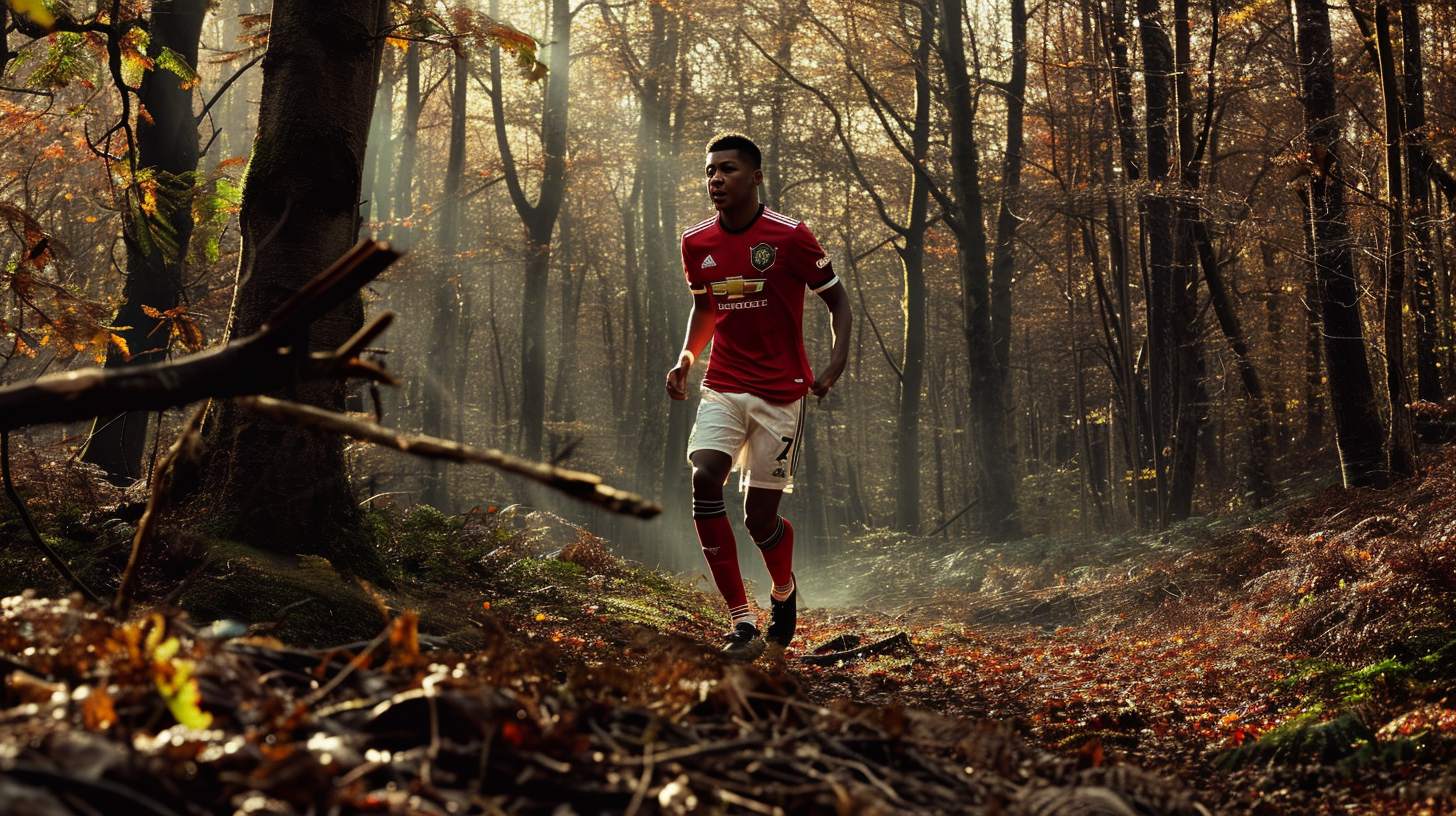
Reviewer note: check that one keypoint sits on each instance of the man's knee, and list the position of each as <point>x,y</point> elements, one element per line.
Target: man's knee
<point>706,484</point>
<point>710,471</point>
<point>761,524</point>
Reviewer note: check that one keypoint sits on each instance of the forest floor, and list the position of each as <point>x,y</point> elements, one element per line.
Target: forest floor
<point>1300,662</point>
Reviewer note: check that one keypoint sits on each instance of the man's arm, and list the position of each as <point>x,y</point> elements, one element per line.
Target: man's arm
<point>700,331</point>
<point>841,318</point>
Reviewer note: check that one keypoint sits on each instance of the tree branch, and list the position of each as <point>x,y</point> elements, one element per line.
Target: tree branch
<point>584,486</point>
<point>262,362</point>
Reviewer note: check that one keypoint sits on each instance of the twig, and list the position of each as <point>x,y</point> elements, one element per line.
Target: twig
<point>642,782</point>
<point>147,527</point>
<point>51,554</point>
<point>585,486</point>
<point>347,670</point>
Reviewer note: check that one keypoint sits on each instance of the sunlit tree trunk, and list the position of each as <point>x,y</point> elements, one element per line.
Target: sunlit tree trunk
<point>167,145</point>
<point>278,487</point>
<point>1400,447</point>
<point>1171,307</point>
<point>1358,432</point>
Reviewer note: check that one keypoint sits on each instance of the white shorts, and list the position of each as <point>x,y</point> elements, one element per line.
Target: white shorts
<point>761,436</point>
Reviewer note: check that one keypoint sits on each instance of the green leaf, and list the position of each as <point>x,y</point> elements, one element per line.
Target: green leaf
<point>176,63</point>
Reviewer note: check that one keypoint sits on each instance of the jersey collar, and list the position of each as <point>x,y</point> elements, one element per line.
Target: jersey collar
<point>746,227</point>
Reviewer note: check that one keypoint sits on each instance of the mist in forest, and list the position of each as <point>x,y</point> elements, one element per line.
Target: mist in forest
<point>1090,295</point>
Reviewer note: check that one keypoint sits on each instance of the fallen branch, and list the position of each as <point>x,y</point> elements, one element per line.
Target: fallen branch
<point>898,641</point>
<point>267,360</point>
<point>584,486</point>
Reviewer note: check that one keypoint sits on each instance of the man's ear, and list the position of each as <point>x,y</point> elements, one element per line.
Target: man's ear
<point>758,176</point>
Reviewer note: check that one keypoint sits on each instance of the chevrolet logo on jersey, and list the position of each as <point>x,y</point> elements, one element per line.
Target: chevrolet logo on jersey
<point>762,257</point>
<point>739,287</point>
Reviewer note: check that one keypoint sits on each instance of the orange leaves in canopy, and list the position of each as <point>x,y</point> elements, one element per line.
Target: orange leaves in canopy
<point>480,32</point>
<point>181,326</point>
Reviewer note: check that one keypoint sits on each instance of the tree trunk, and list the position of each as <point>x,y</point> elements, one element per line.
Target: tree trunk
<point>539,218</point>
<point>166,143</point>
<point>446,357</point>
<point>1358,431</point>
<point>1172,367</point>
<point>912,262</point>
<point>374,204</point>
<point>1428,335</point>
<point>1401,444</point>
<point>1003,253</point>
<point>278,487</point>
<point>409,139</point>
<point>992,462</point>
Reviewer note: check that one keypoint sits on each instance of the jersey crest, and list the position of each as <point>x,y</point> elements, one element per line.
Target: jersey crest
<point>762,257</point>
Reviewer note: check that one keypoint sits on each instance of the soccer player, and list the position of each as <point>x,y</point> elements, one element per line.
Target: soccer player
<point>747,268</point>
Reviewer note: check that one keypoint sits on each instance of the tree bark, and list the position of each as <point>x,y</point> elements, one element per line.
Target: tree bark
<point>282,488</point>
<point>1172,367</point>
<point>992,462</point>
<point>1428,335</point>
<point>167,144</point>
<point>1400,447</point>
<point>442,399</point>
<point>409,138</point>
<point>1358,432</point>
<point>539,219</point>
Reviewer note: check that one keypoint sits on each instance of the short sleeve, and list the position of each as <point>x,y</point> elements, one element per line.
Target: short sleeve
<point>812,265</point>
<point>696,287</point>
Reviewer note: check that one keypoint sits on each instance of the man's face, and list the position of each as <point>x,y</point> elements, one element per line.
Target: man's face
<point>732,179</point>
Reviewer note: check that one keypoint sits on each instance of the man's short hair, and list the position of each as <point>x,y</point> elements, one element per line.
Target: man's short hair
<point>739,142</point>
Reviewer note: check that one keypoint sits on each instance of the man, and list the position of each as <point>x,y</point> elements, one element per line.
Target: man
<point>748,268</point>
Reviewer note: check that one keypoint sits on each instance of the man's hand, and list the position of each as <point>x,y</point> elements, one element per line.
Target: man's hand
<point>677,377</point>
<point>821,386</point>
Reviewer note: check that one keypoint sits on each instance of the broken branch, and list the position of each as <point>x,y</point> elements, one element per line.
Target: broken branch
<point>584,486</point>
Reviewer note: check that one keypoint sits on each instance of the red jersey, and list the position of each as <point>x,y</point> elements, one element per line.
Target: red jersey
<point>756,278</point>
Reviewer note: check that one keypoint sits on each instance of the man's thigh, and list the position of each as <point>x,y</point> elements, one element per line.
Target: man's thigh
<point>722,425</point>
<point>772,448</point>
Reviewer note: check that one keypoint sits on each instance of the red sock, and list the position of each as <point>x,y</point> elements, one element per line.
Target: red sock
<point>721,551</point>
<point>778,554</point>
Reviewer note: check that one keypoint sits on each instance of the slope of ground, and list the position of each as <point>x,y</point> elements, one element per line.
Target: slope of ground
<point>1301,664</point>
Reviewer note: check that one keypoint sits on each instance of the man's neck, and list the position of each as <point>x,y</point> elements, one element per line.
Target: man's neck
<point>738,219</point>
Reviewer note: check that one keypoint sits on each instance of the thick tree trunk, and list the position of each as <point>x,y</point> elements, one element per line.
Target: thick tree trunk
<point>279,487</point>
<point>992,462</point>
<point>1358,432</point>
<point>1172,368</point>
<point>166,143</point>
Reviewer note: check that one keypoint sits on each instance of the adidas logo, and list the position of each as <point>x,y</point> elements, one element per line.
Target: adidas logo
<point>707,262</point>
